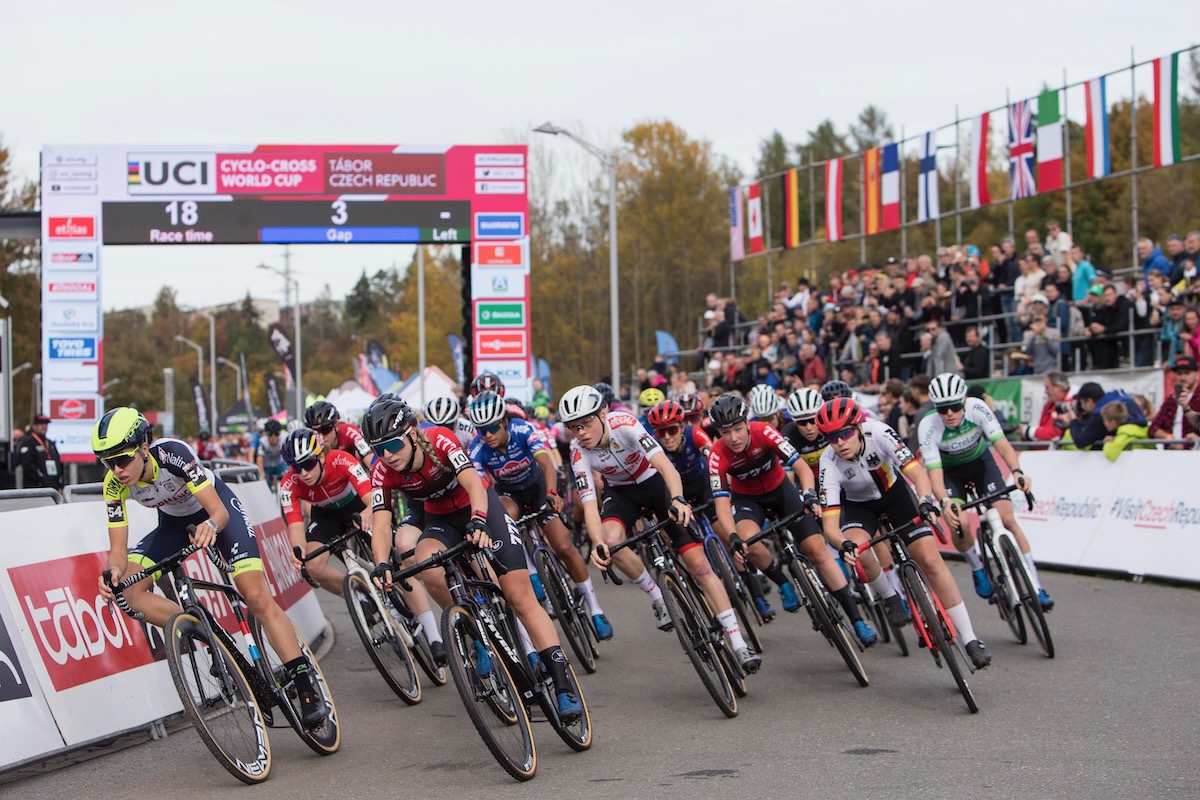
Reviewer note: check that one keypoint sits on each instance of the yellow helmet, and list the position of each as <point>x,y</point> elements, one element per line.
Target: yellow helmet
<point>119,431</point>
<point>649,398</point>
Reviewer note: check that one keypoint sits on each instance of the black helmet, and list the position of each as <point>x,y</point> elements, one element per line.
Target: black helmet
<point>606,393</point>
<point>486,382</point>
<point>834,389</point>
<point>321,413</point>
<point>272,426</point>
<point>301,445</point>
<point>387,418</point>
<point>727,410</point>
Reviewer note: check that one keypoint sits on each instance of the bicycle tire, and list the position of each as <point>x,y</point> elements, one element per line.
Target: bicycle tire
<point>696,644</point>
<point>719,560</point>
<point>247,756</point>
<point>867,599</point>
<point>733,670</point>
<point>997,570</point>
<point>507,737</point>
<point>578,734</point>
<point>1029,599</point>
<point>383,642</point>
<point>828,620</point>
<point>554,581</point>
<point>420,649</point>
<point>925,607</point>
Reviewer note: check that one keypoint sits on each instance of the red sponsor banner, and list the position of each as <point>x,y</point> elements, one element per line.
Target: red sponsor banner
<point>72,228</point>
<point>79,638</point>
<point>504,254</point>
<point>72,287</point>
<point>270,173</point>
<point>73,408</point>
<point>385,173</point>
<point>276,549</point>
<point>501,344</point>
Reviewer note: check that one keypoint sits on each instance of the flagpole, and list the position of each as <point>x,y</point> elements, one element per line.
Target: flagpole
<point>766,204</point>
<point>862,243</point>
<point>1067,152</point>
<point>1133,163</point>
<point>957,179</point>
<point>903,197</point>
<point>1008,108</point>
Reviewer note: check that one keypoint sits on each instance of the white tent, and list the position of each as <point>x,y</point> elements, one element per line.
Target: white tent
<point>437,384</point>
<point>351,400</point>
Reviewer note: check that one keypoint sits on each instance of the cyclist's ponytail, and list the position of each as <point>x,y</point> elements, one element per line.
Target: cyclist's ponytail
<point>427,448</point>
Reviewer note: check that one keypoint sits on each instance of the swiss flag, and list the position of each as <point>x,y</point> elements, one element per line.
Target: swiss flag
<point>754,220</point>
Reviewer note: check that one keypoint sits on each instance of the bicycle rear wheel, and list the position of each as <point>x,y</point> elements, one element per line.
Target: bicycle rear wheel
<point>1008,606</point>
<point>828,619</point>
<point>324,739</point>
<point>1029,599</point>
<point>217,699</point>
<point>420,649</point>
<point>927,611</point>
<point>384,643</point>
<point>554,580</point>
<point>578,734</point>
<point>738,595</point>
<point>694,636</point>
<point>489,695</point>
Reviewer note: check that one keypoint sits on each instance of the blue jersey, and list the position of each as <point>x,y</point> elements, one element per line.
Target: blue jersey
<point>514,467</point>
<point>692,459</point>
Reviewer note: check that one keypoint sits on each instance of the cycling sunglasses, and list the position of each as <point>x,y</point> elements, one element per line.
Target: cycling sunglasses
<point>324,429</point>
<point>121,460</point>
<point>493,428</point>
<point>670,430</point>
<point>306,466</point>
<point>950,409</point>
<point>390,446</point>
<point>842,435</point>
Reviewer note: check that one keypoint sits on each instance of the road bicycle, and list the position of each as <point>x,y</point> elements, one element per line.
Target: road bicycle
<point>498,686</point>
<point>700,633</point>
<point>740,598</point>
<point>933,627</point>
<point>1013,590</point>
<point>566,603</point>
<point>872,605</point>
<point>230,695</point>
<point>824,612</point>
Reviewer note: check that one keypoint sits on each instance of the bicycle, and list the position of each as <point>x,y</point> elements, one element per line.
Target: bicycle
<point>1012,585</point>
<point>227,695</point>
<point>497,685</point>
<point>700,633</point>
<point>567,603</point>
<point>739,594</point>
<point>867,599</point>
<point>389,643</point>
<point>824,612</point>
<point>934,630</point>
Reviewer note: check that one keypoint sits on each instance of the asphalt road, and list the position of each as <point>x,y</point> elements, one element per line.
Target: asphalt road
<point>1115,715</point>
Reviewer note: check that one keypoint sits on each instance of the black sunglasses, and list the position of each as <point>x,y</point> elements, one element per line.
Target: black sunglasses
<point>325,428</point>
<point>119,462</point>
<point>950,409</point>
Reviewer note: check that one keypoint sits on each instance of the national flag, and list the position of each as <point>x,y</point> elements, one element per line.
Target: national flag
<point>1049,143</point>
<point>927,180</point>
<point>889,187</point>
<point>1099,163</point>
<point>791,208</point>
<point>754,221</point>
<point>980,136</point>
<point>1166,111</point>
<point>833,200</point>
<point>871,191</point>
<point>737,236</point>
<point>1020,150</point>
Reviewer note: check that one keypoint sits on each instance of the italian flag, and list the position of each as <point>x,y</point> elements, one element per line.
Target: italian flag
<point>1049,143</point>
<point>1166,111</point>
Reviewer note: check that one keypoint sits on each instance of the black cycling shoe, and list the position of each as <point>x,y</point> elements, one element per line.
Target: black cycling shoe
<point>439,653</point>
<point>313,708</point>
<point>979,655</point>
<point>897,614</point>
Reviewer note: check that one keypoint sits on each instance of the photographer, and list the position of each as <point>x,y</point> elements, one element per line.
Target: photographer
<point>1053,420</point>
<point>1084,424</point>
<point>1173,420</point>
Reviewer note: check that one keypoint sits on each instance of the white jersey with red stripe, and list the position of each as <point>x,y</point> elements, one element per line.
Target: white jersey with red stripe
<point>465,432</point>
<point>866,478</point>
<point>624,462</point>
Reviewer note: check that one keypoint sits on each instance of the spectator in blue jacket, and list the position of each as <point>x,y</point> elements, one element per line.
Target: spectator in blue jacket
<point>1086,426</point>
<point>1152,257</point>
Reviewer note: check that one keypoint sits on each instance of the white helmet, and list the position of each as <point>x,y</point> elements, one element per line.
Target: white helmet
<point>487,408</point>
<point>804,403</point>
<point>947,389</point>
<point>442,410</point>
<point>763,401</point>
<point>580,402</point>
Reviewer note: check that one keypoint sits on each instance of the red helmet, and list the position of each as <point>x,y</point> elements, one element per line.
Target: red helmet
<point>665,414</point>
<point>691,404</point>
<point>838,414</point>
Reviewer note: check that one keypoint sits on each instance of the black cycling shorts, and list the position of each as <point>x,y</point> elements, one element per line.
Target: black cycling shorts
<point>449,529</point>
<point>781,501</point>
<point>698,492</point>
<point>327,523</point>
<point>529,498</point>
<point>235,542</point>
<point>898,502</point>
<point>984,472</point>
<point>626,504</point>
<point>415,516</point>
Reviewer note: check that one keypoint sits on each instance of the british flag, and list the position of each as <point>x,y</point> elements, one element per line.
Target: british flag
<point>1021,182</point>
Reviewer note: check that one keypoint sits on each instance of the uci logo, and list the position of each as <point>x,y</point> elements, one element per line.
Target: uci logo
<point>171,173</point>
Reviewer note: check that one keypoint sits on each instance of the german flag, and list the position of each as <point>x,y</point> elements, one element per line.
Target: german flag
<point>791,208</point>
<point>871,181</point>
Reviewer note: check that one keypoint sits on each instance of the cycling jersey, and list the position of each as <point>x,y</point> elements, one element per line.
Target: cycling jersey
<point>692,458</point>
<point>436,487</point>
<point>757,469</point>
<point>513,410</point>
<point>945,447</point>
<point>350,439</point>
<point>343,479</point>
<point>176,475</point>
<point>515,467</point>
<point>465,432</point>
<point>869,476</point>
<point>271,454</point>
<point>809,449</point>
<point>624,462</point>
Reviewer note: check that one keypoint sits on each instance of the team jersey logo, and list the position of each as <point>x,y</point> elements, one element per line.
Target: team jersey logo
<point>873,460</point>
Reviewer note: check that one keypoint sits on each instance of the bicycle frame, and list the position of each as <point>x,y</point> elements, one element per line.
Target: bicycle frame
<point>996,531</point>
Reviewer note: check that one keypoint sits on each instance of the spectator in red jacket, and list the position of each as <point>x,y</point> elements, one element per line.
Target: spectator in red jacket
<point>1172,421</point>
<point>1051,424</point>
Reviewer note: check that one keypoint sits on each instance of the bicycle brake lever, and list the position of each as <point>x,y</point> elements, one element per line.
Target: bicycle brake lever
<point>1029,499</point>
<point>304,570</point>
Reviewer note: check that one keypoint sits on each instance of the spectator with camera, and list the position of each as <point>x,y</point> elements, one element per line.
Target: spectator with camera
<point>1172,420</point>
<point>1054,417</point>
<point>1085,427</point>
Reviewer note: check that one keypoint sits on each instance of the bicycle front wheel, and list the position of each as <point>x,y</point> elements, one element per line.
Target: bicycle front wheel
<point>828,619</point>
<point>489,695</point>
<point>1029,599</point>
<point>325,738</point>
<point>217,699</point>
<point>927,611</point>
<point>421,648</point>
<point>738,595</point>
<point>555,581</point>
<point>694,636</point>
<point>997,571</point>
<point>385,644</point>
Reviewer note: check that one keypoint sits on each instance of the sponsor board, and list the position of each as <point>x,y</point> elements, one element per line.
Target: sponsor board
<point>71,228</point>
<point>385,173</point>
<point>501,345</point>
<point>499,159</point>
<point>499,283</point>
<point>499,187</point>
<point>499,225</point>
<point>14,685</point>
<point>79,258</point>
<point>73,408</point>
<point>79,347</point>
<point>513,372</point>
<point>70,377</point>
<point>500,315</point>
<point>63,287</point>
<point>153,173</point>
<point>499,173</point>
<point>70,317</point>
<point>500,254</point>
<point>65,187</point>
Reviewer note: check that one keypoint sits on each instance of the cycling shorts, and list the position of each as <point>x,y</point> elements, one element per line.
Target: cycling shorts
<point>984,472</point>
<point>235,542</point>
<point>449,529</point>
<point>329,523</point>
<point>898,503</point>
<point>627,504</point>
<point>528,498</point>
<point>698,491</point>
<point>781,501</point>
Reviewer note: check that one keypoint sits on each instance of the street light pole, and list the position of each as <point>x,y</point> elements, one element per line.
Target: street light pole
<point>199,357</point>
<point>238,369</point>
<point>212,363</point>
<point>610,161</point>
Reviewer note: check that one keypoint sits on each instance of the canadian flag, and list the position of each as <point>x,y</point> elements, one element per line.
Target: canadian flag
<point>754,220</point>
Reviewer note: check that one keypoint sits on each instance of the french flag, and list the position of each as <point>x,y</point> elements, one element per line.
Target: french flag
<point>1099,162</point>
<point>890,187</point>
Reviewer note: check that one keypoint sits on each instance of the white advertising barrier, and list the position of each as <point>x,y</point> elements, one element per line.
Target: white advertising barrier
<point>27,727</point>
<point>1138,514</point>
<point>101,672</point>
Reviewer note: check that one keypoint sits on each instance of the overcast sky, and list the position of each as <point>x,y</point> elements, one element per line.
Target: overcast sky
<point>481,72</point>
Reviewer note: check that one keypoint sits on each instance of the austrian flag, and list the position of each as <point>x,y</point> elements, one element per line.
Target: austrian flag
<point>754,220</point>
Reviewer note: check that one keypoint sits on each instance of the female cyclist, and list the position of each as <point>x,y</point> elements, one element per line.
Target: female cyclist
<point>166,474</point>
<point>446,412</point>
<point>324,418</point>
<point>429,466</point>
<point>267,455</point>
